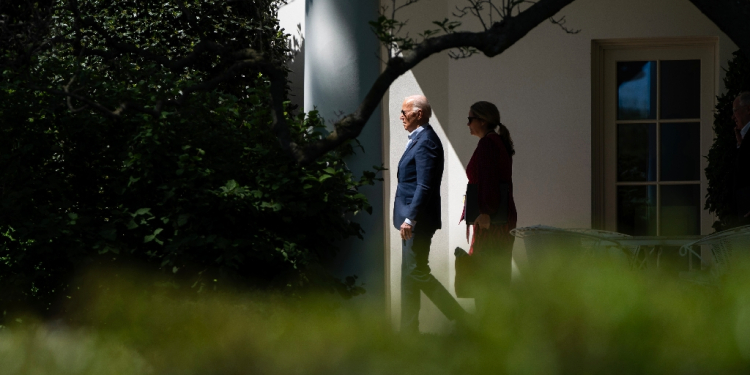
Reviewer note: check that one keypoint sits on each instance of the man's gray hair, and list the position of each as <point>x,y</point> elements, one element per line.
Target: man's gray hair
<point>420,102</point>
<point>744,97</point>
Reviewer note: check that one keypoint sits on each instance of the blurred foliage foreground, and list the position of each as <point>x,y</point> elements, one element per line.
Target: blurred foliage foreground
<point>562,319</point>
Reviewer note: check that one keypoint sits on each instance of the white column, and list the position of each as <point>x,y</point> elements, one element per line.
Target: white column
<point>341,64</point>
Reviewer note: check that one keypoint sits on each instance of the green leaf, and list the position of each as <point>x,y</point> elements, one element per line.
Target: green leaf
<point>132,224</point>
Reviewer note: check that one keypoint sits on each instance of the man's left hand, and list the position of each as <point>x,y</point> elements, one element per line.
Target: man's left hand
<point>747,214</point>
<point>406,231</point>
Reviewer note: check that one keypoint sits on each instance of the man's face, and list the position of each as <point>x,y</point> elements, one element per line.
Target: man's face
<point>740,114</point>
<point>409,117</point>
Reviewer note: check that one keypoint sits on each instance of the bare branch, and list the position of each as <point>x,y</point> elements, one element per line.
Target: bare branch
<point>561,23</point>
<point>463,53</point>
<point>406,4</point>
<point>474,9</point>
<point>491,42</point>
<point>393,27</point>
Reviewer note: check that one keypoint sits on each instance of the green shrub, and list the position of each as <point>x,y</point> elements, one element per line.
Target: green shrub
<point>202,192</point>
<point>720,169</point>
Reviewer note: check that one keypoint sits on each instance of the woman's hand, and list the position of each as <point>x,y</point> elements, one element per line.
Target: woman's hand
<point>483,221</point>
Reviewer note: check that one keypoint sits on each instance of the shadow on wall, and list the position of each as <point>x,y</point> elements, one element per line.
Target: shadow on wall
<point>438,93</point>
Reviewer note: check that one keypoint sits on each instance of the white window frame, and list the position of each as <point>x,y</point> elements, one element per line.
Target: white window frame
<point>603,147</point>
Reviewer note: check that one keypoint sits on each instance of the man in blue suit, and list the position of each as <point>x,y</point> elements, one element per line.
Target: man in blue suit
<point>416,213</point>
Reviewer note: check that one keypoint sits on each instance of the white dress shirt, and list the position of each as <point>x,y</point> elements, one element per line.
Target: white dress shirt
<point>414,134</point>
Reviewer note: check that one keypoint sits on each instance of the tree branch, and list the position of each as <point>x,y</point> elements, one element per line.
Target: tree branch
<point>498,38</point>
<point>88,101</point>
<point>66,88</point>
<point>561,22</point>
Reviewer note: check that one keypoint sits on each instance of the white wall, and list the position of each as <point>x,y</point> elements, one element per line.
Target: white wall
<point>542,86</point>
<point>292,20</point>
<point>341,64</point>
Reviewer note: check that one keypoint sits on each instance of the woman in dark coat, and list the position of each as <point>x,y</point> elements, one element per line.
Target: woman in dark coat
<point>490,166</point>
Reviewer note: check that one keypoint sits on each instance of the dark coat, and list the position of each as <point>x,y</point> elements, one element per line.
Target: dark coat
<point>420,172</point>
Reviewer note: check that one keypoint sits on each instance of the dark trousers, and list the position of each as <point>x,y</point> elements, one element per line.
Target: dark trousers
<point>416,276</point>
<point>494,275</point>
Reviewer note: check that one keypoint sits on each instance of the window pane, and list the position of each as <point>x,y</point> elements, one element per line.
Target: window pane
<point>636,90</point>
<point>636,210</point>
<point>636,152</point>
<point>680,210</point>
<point>680,89</point>
<point>680,151</point>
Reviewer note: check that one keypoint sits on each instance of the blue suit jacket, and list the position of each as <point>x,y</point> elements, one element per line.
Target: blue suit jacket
<point>420,172</point>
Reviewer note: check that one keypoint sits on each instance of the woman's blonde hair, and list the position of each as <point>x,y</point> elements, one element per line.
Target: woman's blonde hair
<point>491,115</point>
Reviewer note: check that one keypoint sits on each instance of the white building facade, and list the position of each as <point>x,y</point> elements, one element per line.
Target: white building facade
<point>610,125</point>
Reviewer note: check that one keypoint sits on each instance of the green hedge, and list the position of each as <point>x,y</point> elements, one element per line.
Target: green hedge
<point>568,317</point>
<point>720,170</point>
<point>202,192</point>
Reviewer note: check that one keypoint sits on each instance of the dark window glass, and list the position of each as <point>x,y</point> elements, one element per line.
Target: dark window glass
<point>680,89</point>
<point>636,90</point>
<point>636,152</point>
<point>636,210</point>
<point>680,151</point>
<point>680,210</point>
